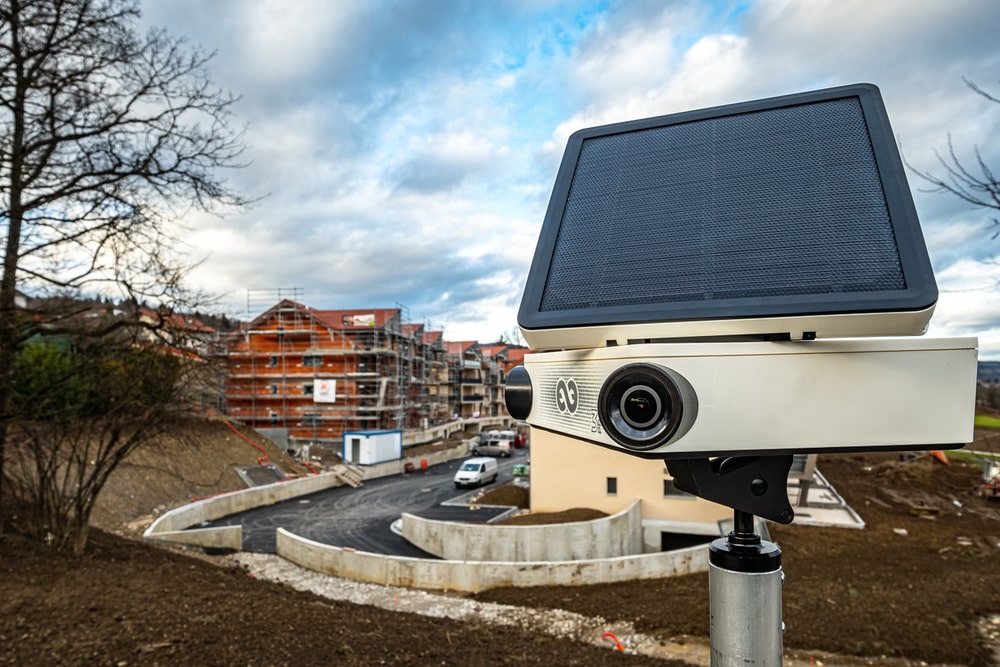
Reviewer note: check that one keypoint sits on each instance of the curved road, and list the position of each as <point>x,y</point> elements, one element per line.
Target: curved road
<point>362,518</point>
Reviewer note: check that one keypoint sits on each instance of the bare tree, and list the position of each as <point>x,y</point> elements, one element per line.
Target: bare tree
<point>975,184</point>
<point>107,139</point>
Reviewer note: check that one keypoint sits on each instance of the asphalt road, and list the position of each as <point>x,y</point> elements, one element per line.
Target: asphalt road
<point>362,518</point>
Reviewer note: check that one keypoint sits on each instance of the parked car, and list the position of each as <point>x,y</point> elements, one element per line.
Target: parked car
<point>476,472</point>
<point>495,443</point>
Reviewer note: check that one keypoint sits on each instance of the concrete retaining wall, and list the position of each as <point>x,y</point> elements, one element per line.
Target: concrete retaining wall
<point>472,577</point>
<point>397,467</point>
<point>221,537</point>
<point>610,537</point>
<point>172,526</point>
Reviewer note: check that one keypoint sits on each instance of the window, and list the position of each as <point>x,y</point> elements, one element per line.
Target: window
<point>311,419</point>
<point>273,389</point>
<point>612,486</point>
<point>312,360</point>
<point>307,389</point>
<point>670,490</point>
<point>273,363</point>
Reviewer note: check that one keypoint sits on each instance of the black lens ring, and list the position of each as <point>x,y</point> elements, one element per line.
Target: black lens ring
<point>636,377</point>
<point>636,391</point>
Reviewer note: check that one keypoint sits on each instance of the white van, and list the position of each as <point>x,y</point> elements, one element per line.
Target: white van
<point>476,472</point>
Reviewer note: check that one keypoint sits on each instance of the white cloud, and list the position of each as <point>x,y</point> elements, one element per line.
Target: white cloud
<point>621,62</point>
<point>288,42</point>
<point>969,304</point>
<point>409,148</point>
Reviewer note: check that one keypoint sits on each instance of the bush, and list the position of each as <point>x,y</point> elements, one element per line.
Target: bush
<point>76,415</point>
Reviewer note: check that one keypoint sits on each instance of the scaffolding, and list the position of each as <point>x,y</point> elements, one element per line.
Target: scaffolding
<point>309,376</point>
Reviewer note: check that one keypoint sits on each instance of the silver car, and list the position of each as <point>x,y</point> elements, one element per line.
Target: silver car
<point>495,443</point>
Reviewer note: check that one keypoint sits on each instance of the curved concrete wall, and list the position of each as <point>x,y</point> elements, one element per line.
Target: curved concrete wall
<point>173,526</point>
<point>546,553</point>
<point>611,537</point>
<point>472,577</point>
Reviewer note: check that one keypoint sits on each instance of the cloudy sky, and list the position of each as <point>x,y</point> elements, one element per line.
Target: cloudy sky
<point>408,148</point>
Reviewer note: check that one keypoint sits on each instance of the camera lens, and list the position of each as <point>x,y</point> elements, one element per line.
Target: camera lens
<point>640,406</point>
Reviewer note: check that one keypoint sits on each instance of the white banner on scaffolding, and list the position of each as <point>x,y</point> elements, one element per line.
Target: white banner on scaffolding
<point>367,320</point>
<point>325,391</point>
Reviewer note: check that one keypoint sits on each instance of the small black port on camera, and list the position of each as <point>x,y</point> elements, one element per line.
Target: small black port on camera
<point>640,406</point>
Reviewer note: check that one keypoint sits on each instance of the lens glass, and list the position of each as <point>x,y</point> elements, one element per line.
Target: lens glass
<point>640,406</point>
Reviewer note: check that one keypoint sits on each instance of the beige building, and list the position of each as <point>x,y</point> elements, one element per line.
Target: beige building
<point>567,473</point>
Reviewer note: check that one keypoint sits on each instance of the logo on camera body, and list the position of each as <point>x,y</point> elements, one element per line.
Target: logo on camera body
<point>567,396</point>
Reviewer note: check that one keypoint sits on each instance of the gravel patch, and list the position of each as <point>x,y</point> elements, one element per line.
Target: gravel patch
<point>555,622</point>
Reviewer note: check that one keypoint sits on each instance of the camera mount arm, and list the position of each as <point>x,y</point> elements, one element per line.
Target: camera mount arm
<point>753,484</point>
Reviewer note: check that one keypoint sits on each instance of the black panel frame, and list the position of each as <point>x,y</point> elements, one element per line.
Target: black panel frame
<point>920,291</point>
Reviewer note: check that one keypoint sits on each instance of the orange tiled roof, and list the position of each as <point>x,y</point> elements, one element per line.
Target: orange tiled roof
<point>458,347</point>
<point>493,350</point>
<point>178,321</point>
<point>515,355</point>
<point>412,329</point>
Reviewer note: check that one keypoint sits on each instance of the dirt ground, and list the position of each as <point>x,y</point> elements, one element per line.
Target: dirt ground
<point>867,593</point>
<point>914,585</point>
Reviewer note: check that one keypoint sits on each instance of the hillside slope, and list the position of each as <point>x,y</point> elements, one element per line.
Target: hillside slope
<point>198,459</point>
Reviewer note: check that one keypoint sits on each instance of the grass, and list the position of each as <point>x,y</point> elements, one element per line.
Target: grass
<point>974,458</point>
<point>985,421</point>
<point>982,421</point>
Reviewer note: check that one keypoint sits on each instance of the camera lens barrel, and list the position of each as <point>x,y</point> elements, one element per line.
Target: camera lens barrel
<point>641,406</point>
<point>518,393</point>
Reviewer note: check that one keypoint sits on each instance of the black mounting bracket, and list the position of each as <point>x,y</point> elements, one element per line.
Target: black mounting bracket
<point>754,484</point>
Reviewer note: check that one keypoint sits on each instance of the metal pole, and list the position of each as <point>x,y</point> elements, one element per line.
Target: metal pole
<point>745,598</point>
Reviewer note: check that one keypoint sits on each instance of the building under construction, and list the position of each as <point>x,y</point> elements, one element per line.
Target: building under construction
<point>304,375</point>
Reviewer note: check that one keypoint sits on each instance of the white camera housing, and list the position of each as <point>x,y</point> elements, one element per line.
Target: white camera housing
<point>692,400</point>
